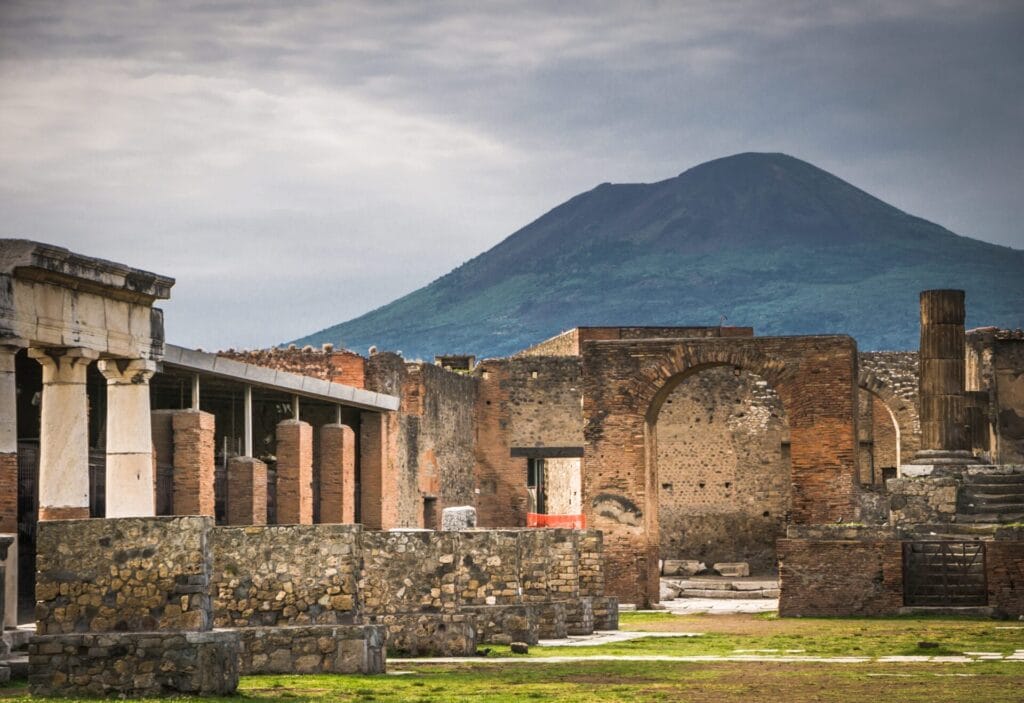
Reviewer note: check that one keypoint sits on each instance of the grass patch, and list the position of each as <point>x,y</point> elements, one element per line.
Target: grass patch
<point>601,682</point>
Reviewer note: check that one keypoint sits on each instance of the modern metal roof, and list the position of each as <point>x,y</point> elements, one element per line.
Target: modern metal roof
<point>205,363</point>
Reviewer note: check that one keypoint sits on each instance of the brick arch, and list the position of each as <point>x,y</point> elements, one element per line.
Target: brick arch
<point>903,412</point>
<point>626,381</point>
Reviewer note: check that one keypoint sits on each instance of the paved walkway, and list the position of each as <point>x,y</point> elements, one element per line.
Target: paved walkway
<point>966,658</point>
<point>720,606</point>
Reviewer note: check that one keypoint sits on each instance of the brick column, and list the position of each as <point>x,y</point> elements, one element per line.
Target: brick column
<point>9,483</point>
<point>247,491</point>
<point>64,433</point>
<point>942,379</point>
<point>294,473</point>
<point>193,462</point>
<point>337,473</point>
<point>131,488</point>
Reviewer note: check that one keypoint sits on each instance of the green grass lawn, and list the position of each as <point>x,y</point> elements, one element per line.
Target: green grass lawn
<point>599,681</point>
<point>825,637</point>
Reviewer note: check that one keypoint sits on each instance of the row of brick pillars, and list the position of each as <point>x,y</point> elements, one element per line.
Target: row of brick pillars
<point>192,435</point>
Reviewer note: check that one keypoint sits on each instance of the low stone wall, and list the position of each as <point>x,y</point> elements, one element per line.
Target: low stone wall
<point>429,634</point>
<point>124,608</point>
<point>312,649</point>
<point>134,664</point>
<point>606,612</point>
<point>125,574</point>
<point>285,575</point>
<point>504,624</point>
<point>408,572</point>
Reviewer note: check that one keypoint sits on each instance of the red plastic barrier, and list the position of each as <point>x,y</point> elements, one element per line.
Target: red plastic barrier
<point>577,522</point>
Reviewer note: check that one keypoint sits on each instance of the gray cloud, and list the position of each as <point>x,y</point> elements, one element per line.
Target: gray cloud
<point>296,164</point>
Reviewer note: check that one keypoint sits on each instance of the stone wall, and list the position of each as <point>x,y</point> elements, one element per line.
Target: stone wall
<point>568,343</point>
<point>1004,565</point>
<point>923,500</point>
<point>115,664</point>
<point>312,649</point>
<point>128,574</point>
<point>124,608</point>
<point>723,477</point>
<point>287,575</point>
<point>995,369</point>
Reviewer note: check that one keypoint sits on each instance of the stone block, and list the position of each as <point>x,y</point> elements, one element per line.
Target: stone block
<point>313,649</point>
<point>504,624</point>
<point>458,518</point>
<point>732,568</point>
<point>606,612</point>
<point>134,664</point>
<point>429,634</point>
<point>682,567</point>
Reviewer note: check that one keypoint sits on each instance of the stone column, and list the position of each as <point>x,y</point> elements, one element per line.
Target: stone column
<point>64,433</point>
<point>247,491</point>
<point>131,486</point>
<point>193,462</point>
<point>942,379</point>
<point>9,484</point>
<point>337,473</point>
<point>294,473</point>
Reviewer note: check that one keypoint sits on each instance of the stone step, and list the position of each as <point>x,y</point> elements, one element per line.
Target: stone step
<point>990,518</point>
<point>727,595</point>
<point>992,488</point>
<point>992,499</point>
<point>994,479</point>
<point>978,611</point>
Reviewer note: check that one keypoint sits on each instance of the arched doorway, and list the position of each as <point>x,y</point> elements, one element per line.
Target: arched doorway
<point>723,469</point>
<point>625,383</point>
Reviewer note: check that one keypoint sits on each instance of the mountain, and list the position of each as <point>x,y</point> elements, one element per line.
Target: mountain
<point>765,240</point>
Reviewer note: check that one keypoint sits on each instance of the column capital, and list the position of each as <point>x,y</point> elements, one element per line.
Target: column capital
<point>8,349</point>
<point>126,371</point>
<point>63,364</point>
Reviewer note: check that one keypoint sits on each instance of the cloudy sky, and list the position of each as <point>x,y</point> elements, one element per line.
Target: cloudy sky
<point>295,164</point>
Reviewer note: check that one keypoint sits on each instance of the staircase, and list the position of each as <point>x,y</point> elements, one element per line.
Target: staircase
<point>991,498</point>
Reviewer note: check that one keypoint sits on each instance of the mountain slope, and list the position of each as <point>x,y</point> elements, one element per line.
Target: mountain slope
<point>766,240</point>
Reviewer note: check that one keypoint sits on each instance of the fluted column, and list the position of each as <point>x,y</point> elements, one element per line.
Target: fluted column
<point>64,433</point>
<point>131,489</point>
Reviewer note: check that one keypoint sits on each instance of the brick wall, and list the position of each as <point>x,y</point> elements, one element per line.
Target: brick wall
<point>1004,562</point>
<point>9,492</point>
<point>626,382</point>
<point>338,366</point>
<point>825,578</point>
<point>525,402</point>
<point>429,442</point>
<point>193,462</point>
<point>723,479</point>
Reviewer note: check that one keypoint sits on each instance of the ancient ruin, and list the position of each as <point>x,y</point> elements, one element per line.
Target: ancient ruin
<point>177,518</point>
